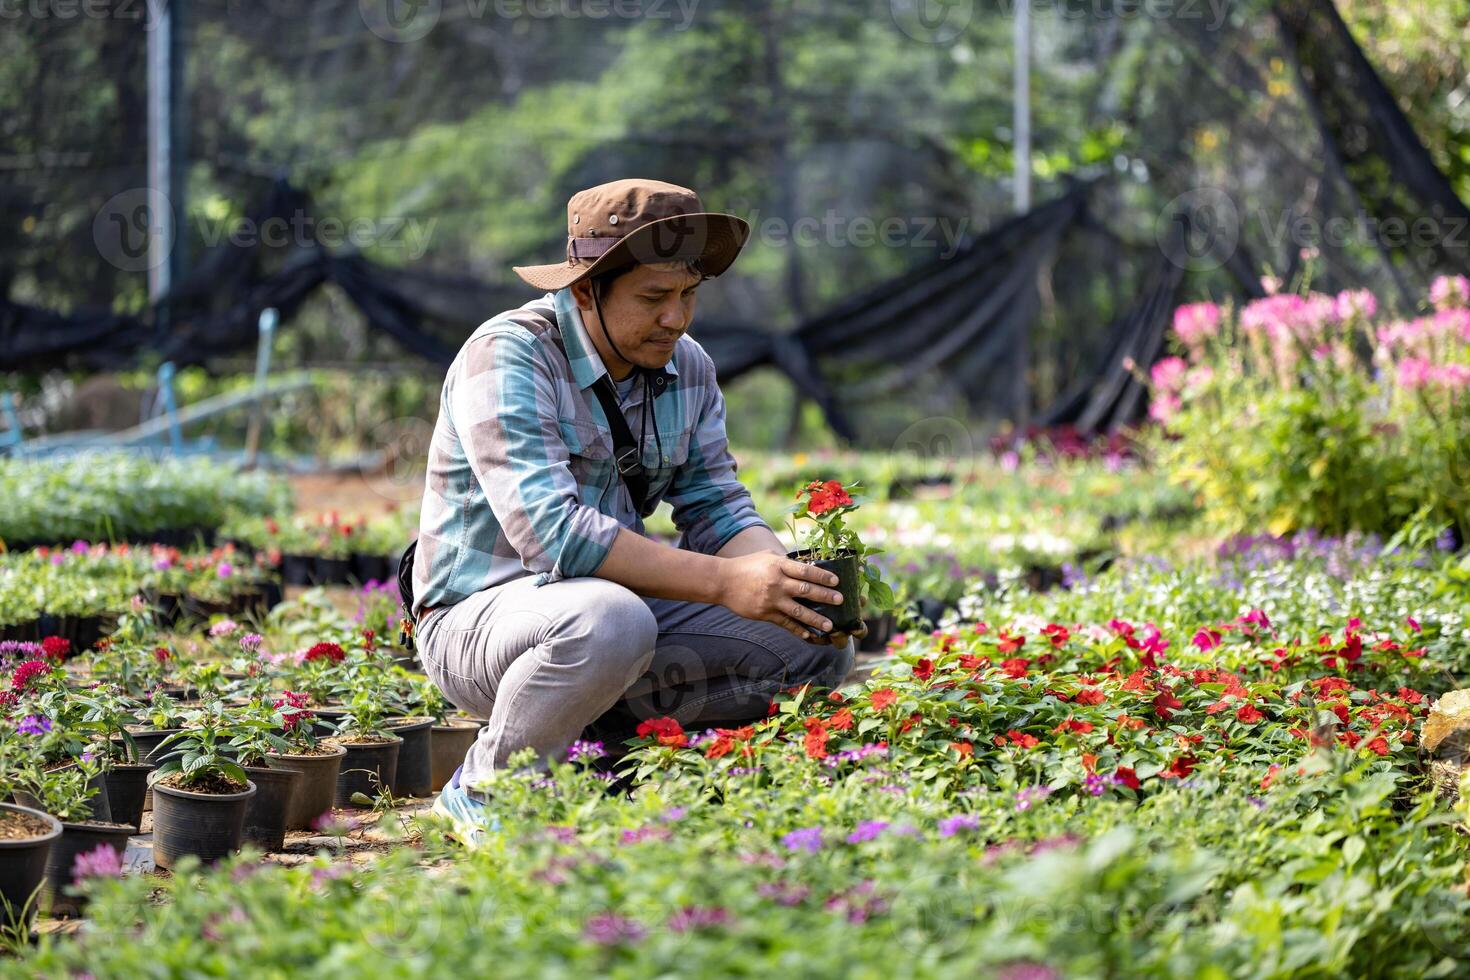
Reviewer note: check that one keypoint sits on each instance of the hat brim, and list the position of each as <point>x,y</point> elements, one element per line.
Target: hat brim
<point>712,237</point>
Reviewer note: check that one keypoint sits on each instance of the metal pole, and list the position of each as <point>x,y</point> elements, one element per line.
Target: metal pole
<point>1021,177</point>
<point>167,129</point>
<point>268,320</point>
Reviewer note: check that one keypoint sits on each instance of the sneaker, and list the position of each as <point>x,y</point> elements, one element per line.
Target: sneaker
<point>470,819</point>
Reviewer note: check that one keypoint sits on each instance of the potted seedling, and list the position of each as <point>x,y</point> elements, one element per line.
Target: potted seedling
<point>831,545</point>
<point>70,795</point>
<point>200,791</point>
<point>27,835</point>
<point>452,734</point>
<point>109,711</point>
<point>372,751</point>
<point>259,734</point>
<point>318,762</point>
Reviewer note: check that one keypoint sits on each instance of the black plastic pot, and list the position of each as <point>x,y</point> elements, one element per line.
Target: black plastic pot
<point>23,865</point>
<point>266,813</point>
<point>100,808</point>
<point>79,838</point>
<point>415,758</point>
<point>325,719</point>
<point>331,571</point>
<point>450,743</point>
<point>369,768</point>
<point>206,825</point>
<point>318,785</point>
<point>848,616</point>
<point>880,631</point>
<point>296,569</point>
<point>369,568</point>
<point>127,790</point>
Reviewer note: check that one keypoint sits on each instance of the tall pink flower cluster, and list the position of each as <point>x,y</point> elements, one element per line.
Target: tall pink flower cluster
<point>1450,292</point>
<point>1195,323</point>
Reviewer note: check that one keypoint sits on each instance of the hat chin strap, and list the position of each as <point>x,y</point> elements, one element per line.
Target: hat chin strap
<point>648,396</point>
<point>603,324</point>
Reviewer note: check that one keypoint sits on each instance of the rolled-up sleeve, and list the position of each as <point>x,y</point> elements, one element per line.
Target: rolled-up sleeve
<point>504,406</point>
<point>710,505</point>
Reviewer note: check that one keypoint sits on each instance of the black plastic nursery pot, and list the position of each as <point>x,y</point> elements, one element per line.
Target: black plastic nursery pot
<point>79,838</point>
<point>880,631</point>
<point>370,767</point>
<point>297,569</point>
<point>101,808</point>
<point>848,616</point>
<point>415,757</point>
<point>207,825</point>
<point>450,743</point>
<point>370,568</point>
<point>127,791</point>
<point>325,718</point>
<point>317,787</point>
<point>267,811</point>
<point>331,571</point>
<point>23,863</point>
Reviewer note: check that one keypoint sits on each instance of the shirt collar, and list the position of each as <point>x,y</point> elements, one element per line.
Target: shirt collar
<point>586,363</point>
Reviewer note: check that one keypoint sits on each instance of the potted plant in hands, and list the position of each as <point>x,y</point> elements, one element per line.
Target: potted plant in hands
<point>831,545</point>
<point>27,835</point>
<point>372,751</point>
<point>318,762</point>
<point>259,734</point>
<point>200,791</point>
<point>69,795</point>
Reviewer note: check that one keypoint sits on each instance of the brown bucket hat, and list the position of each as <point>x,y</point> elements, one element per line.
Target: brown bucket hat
<point>638,220</point>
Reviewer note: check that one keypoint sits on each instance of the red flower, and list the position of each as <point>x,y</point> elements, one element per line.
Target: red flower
<point>1022,739</point>
<point>823,497</point>
<point>1179,768</point>
<point>1207,639</point>
<point>27,672</point>
<point>1165,702</point>
<point>841,721</point>
<point>816,737</point>
<point>1270,776</point>
<point>291,699</point>
<point>1076,727</point>
<point>723,745</point>
<point>666,730</point>
<point>969,661</point>
<point>924,669</point>
<point>1016,667</point>
<point>1129,777</point>
<point>1091,695</point>
<point>1379,745</point>
<point>1248,715</point>
<point>326,651</point>
<point>965,749</point>
<point>883,697</point>
<point>1057,634</point>
<point>1009,643</point>
<point>162,654</point>
<point>56,648</point>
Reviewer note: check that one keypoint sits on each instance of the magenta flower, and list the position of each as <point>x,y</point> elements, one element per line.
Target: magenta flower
<point>610,929</point>
<point>803,839</point>
<point>950,826</point>
<point>100,862</point>
<point>580,751</point>
<point>696,917</point>
<point>867,830</point>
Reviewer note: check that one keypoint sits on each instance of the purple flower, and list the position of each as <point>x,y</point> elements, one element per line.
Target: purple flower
<point>561,834</point>
<point>34,725</point>
<point>696,917</point>
<point>609,929</point>
<point>225,570</point>
<point>251,642</point>
<point>867,830</point>
<point>1026,970</point>
<point>783,892</point>
<point>673,814</point>
<point>223,628</point>
<point>102,861</point>
<point>1030,795</point>
<point>641,834</point>
<point>331,872</point>
<point>804,839</point>
<point>1256,802</point>
<point>1094,784</point>
<point>950,826</point>
<point>579,751</point>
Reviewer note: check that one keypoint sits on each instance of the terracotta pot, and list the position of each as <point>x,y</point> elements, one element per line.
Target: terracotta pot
<point>268,809</point>
<point>23,865</point>
<point>450,743</point>
<point>79,838</point>
<point>370,767</point>
<point>206,825</point>
<point>318,785</point>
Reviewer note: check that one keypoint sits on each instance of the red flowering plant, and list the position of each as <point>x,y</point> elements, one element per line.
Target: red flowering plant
<point>832,543</point>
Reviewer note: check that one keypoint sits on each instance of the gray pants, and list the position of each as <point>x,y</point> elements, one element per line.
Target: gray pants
<point>546,664</point>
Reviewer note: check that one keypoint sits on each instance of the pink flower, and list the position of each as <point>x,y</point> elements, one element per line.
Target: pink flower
<point>1355,304</point>
<point>1207,639</point>
<point>1195,322</point>
<point>1168,374</point>
<point>1450,291</point>
<point>103,861</point>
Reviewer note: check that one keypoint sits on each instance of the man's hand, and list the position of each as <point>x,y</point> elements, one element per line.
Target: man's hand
<point>765,586</point>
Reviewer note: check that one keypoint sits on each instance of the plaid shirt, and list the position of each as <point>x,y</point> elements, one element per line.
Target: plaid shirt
<point>521,478</point>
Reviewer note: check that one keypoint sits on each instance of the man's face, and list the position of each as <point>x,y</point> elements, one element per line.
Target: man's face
<point>646,311</point>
